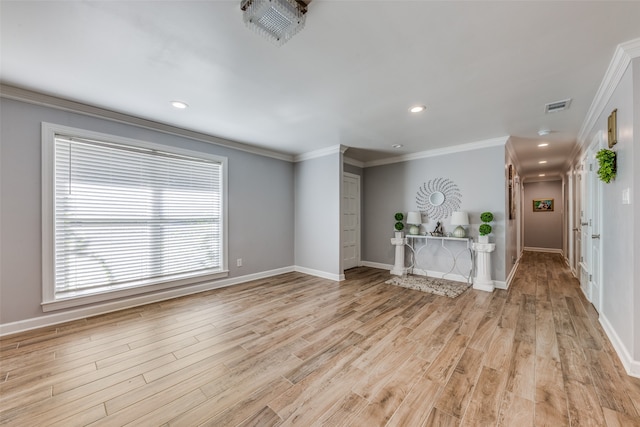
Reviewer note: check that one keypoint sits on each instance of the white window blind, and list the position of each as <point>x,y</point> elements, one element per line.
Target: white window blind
<point>128,216</point>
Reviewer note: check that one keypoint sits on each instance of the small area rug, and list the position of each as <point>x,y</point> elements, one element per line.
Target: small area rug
<point>445,288</point>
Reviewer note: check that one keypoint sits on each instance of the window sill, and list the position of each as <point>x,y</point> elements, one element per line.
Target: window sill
<point>81,300</point>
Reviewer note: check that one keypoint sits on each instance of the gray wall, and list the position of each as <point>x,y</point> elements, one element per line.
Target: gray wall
<point>391,188</point>
<point>260,202</point>
<point>317,214</point>
<point>621,223</point>
<point>543,229</point>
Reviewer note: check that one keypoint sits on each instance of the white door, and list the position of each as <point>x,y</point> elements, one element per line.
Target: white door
<point>585,229</point>
<point>595,213</point>
<point>350,221</point>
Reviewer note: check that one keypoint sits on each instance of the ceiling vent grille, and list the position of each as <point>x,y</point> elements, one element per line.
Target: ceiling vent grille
<point>554,107</point>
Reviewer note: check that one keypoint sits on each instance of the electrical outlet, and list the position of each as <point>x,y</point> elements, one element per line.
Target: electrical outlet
<point>239,262</point>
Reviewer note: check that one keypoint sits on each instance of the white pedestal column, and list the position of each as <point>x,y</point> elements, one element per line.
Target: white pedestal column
<point>399,242</point>
<point>482,280</point>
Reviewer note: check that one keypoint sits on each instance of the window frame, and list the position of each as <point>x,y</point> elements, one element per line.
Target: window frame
<point>49,301</point>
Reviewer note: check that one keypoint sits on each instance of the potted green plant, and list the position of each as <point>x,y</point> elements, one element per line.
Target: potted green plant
<point>485,228</point>
<point>607,161</point>
<point>399,225</point>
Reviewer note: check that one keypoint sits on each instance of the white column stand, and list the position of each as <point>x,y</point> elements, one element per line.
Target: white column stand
<point>399,242</point>
<point>482,280</point>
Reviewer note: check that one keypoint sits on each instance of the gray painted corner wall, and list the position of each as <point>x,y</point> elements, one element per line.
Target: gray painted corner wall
<point>317,213</point>
<point>635,198</point>
<point>512,251</point>
<point>390,188</point>
<point>543,229</point>
<point>260,202</point>
<point>621,223</point>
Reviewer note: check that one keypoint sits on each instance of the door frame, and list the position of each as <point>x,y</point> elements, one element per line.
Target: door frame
<point>358,179</point>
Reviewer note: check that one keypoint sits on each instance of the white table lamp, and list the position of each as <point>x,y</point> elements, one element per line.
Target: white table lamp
<point>414,219</point>
<point>459,218</point>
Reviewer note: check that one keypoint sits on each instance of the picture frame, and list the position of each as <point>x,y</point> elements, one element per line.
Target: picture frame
<point>510,178</point>
<point>612,132</point>
<point>543,205</point>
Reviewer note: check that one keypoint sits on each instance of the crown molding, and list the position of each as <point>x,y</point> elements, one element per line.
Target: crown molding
<point>513,155</point>
<point>334,149</point>
<point>622,57</point>
<point>353,162</point>
<point>494,142</point>
<point>37,98</point>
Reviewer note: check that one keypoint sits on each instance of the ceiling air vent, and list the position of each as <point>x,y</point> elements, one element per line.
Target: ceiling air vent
<point>553,107</point>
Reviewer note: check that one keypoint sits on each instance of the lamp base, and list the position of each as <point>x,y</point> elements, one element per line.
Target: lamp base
<point>459,232</point>
<point>414,229</point>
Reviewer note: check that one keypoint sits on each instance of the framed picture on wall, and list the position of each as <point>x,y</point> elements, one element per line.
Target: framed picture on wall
<point>543,205</point>
<point>512,206</point>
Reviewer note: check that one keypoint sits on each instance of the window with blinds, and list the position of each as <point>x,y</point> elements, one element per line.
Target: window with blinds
<point>130,216</point>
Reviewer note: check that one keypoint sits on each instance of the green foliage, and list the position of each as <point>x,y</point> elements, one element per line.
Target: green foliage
<point>484,229</point>
<point>399,216</point>
<point>607,161</point>
<point>399,226</point>
<point>486,217</point>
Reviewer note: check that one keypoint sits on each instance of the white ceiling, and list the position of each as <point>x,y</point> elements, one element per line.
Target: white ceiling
<point>483,69</point>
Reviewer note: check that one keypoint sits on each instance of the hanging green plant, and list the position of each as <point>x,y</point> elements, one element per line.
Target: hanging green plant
<point>607,161</point>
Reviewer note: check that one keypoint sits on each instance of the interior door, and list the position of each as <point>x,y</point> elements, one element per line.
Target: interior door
<point>350,221</point>
<point>595,213</point>
<point>585,229</point>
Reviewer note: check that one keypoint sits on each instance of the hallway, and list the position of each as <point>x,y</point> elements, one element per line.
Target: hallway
<point>301,350</point>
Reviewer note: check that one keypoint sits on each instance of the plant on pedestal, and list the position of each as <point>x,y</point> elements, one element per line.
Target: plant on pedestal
<point>485,228</point>
<point>399,225</point>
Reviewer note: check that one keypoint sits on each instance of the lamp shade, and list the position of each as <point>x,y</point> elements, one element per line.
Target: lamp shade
<point>414,218</point>
<point>459,218</point>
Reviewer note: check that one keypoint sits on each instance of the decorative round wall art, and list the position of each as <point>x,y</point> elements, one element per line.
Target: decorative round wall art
<point>438,198</point>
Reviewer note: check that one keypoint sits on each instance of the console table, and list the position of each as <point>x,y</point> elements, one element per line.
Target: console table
<point>447,250</point>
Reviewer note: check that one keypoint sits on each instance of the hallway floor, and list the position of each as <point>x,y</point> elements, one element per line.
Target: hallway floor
<point>300,350</point>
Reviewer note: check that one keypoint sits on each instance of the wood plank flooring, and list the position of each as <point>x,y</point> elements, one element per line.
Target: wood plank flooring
<point>299,350</point>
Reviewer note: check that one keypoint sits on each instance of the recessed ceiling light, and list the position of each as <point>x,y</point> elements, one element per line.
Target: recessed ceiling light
<point>179,104</point>
<point>543,132</point>
<point>541,174</point>
<point>397,145</point>
<point>544,144</point>
<point>417,108</point>
<point>542,162</point>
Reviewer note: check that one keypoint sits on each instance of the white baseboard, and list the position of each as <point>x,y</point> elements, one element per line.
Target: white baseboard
<point>318,273</point>
<point>548,250</point>
<point>108,307</point>
<point>499,284</point>
<point>379,265</point>
<point>632,366</point>
<point>511,275</point>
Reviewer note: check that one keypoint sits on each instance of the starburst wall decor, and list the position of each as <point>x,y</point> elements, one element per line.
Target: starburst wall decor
<point>438,198</point>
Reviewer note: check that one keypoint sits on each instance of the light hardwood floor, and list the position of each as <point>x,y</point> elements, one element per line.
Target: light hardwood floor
<point>299,350</point>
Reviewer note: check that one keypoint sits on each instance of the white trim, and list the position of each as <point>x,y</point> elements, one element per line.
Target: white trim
<point>511,275</point>
<point>334,149</point>
<point>379,265</point>
<point>499,284</point>
<point>547,250</point>
<point>631,366</point>
<point>622,57</point>
<point>24,95</point>
<point>357,178</point>
<point>353,162</point>
<point>495,142</point>
<point>318,273</point>
<point>94,310</point>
